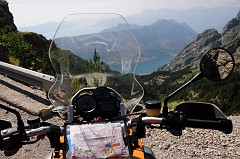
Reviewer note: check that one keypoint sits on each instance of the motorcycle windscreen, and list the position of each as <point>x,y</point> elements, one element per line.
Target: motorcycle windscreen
<point>91,50</point>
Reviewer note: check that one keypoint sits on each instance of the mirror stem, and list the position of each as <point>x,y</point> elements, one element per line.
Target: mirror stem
<point>194,79</point>
<point>20,123</point>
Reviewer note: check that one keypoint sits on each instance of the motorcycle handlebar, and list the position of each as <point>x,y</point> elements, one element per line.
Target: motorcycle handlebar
<point>38,131</point>
<point>152,120</point>
<point>224,125</point>
<point>41,130</point>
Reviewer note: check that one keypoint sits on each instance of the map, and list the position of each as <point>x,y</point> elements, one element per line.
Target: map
<point>103,140</point>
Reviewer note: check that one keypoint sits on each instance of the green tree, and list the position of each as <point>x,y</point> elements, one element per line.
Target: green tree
<point>96,58</point>
<point>95,64</point>
<point>18,48</point>
<point>29,50</point>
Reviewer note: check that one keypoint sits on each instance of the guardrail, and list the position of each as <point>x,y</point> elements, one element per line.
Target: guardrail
<point>31,77</point>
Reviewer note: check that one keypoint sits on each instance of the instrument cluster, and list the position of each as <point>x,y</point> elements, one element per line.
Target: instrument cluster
<point>96,102</point>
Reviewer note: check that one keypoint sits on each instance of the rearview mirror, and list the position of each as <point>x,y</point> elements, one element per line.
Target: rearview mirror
<point>217,64</point>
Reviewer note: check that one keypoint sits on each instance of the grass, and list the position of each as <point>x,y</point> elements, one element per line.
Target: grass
<point>13,60</point>
<point>173,104</point>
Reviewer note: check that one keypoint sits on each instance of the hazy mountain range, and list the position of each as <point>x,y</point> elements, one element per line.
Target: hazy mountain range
<point>198,19</point>
<point>162,33</point>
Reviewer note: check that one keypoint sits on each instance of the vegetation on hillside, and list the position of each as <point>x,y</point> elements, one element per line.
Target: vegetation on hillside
<point>25,49</point>
<point>225,94</point>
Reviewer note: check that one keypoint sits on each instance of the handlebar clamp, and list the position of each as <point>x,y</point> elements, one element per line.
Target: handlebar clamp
<point>175,123</point>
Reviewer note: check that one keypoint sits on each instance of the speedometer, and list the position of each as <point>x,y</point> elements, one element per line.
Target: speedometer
<point>101,92</point>
<point>86,104</point>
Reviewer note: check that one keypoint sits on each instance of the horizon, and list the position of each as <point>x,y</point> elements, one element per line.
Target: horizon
<point>54,11</point>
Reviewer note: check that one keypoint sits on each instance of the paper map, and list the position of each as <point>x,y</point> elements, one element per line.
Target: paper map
<point>97,141</point>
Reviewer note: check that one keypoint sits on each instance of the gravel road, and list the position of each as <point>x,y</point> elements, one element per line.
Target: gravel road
<point>194,143</point>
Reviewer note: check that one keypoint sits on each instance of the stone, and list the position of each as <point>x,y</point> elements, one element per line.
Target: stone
<point>6,17</point>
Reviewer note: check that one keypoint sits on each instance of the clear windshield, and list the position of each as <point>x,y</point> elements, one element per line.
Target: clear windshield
<point>91,50</point>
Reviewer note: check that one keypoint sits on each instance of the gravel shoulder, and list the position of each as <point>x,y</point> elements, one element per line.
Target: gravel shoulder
<point>29,99</point>
<point>194,143</point>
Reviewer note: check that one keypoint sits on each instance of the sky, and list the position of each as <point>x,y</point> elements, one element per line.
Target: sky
<point>35,12</point>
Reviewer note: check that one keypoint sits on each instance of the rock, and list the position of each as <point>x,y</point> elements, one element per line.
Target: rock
<point>238,16</point>
<point>231,24</point>
<point>166,147</point>
<point>194,50</point>
<point>192,53</point>
<point>45,112</point>
<point>6,17</point>
<point>207,37</point>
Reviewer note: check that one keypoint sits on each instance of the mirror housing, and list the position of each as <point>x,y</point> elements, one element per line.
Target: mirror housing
<point>217,64</point>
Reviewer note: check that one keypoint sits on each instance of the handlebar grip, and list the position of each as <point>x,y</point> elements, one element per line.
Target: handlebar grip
<point>224,125</point>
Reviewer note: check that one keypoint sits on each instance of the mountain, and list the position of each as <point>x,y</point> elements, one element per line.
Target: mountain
<point>229,38</point>
<point>199,19</point>
<point>6,18</point>
<point>47,29</point>
<point>122,27</point>
<point>159,42</point>
<point>164,37</point>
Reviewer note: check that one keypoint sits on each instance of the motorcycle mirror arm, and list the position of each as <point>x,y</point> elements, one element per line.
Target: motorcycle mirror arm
<point>197,77</point>
<point>20,123</point>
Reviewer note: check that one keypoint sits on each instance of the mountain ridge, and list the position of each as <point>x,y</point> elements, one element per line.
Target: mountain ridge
<point>196,18</point>
<point>229,38</point>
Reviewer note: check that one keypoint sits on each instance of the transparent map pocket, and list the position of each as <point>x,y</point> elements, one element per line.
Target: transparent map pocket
<point>104,140</point>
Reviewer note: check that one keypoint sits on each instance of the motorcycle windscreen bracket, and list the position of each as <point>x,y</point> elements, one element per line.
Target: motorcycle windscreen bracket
<point>97,140</point>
